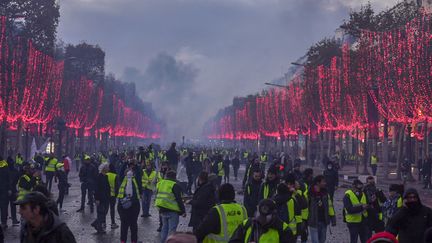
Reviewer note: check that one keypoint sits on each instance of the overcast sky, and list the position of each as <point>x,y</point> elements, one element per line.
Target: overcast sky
<point>191,57</point>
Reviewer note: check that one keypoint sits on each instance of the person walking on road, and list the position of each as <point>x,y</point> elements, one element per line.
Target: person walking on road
<point>129,206</point>
<point>331,176</point>
<point>87,175</point>
<point>355,212</point>
<point>113,181</point>
<point>170,204</point>
<point>102,198</point>
<point>251,193</point>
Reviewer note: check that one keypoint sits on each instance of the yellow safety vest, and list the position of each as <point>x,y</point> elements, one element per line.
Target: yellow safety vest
<point>263,158</point>
<point>305,211</point>
<point>399,202</point>
<point>51,167</point>
<point>148,181</point>
<point>245,155</point>
<point>358,217</point>
<point>165,197</point>
<point>21,191</point>
<point>374,160</point>
<point>292,221</point>
<point>271,236</point>
<point>122,188</point>
<point>18,160</point>
<point>162,156</point>
<point>3,163</point>
<point>231,215</point>
<point>111,180</point>
<point>203,157</point>
<point>221,171</point>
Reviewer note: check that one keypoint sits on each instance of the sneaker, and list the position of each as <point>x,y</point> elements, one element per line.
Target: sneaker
<point>15,222</point>
<point>159,229</point>
<point>146,215</point>
<point>80,210</point>
<point>103,225</point>
<point>114,226</point>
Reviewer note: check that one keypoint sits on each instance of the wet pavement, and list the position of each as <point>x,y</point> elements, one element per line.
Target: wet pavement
<point>79,223</point>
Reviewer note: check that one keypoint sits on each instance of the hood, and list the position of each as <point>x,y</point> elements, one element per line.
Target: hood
<point>281,199</point>
<point>412,191</point>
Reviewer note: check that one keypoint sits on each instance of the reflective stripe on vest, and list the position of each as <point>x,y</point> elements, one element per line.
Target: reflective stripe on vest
<point>266,191</point>
<point>122,188</point>
<point>231,215</point>
<point>21,191</point>
<point>51,167</point>
<point>165,197</point>
<point>399,202</point>
<point>111,181</point>
<point>19,160</point>
<point>148,181</point>
<point>271,236</point>
<point>292,222</point>
<point>357,217</point>
<point>305,211</point>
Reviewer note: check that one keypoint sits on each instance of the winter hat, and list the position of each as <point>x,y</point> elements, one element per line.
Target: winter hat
<point>411,191</point>
<point>383,237</point>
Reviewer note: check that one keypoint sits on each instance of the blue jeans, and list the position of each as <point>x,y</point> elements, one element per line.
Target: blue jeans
<point>170,221</point>
<point>318,234</point>
<point>146,200</point>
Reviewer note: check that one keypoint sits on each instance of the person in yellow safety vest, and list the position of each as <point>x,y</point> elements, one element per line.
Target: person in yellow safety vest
<point>301,203</point>
<point>203,156</point>
<point>129,206</point>
<point>5,190</point>
<point>321,210</point>
<point>114,186</point>
<point>355,212</point>
<point>50,169</point>
<point>26,182</point>
<point>19,159</point>
<point>169,203</point>
<point>268,187</point>
<point>264,227</point>
<point>263,159</point>
<point>223,219</point>
<point>287,207</point>
<point>374,163</point>
<point>148,182</point>
<point>162,156</point>
<point>375,198</point>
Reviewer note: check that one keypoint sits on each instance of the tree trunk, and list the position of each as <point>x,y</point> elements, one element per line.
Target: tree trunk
<point>385,154</point>
<point>401,134</point>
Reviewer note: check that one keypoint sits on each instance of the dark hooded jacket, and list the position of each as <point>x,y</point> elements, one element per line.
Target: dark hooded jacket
<point>410,223</point>
<point>54,231</point>
<point>281,201</point>
<point>203,200</point>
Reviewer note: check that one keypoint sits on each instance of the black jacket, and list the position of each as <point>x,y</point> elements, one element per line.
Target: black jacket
<point>285,236</point>
<point>4,180</point>
<point>54,231</point>
<point>316,199</point>
<point>203,200</point>
<point>332,178</point>
<point>410,224</point>
<point>88,173</point>
<point>251,196</point>
<point>172,156</point>
<point>272,185</point>
<point>103,192</point>
<point>62,180</point>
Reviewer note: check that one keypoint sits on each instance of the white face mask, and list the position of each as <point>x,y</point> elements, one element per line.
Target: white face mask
<point>129,174</point>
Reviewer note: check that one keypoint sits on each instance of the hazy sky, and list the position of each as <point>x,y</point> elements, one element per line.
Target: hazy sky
<point>191,57</point>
